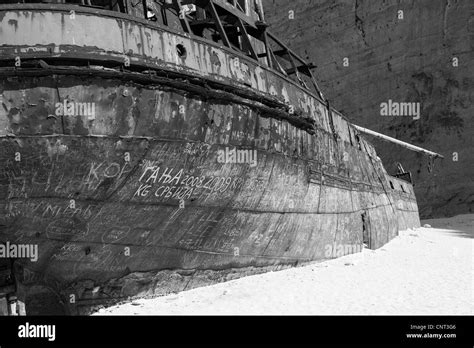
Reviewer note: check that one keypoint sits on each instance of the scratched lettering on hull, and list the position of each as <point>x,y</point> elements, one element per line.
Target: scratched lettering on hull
<point>66,228</point>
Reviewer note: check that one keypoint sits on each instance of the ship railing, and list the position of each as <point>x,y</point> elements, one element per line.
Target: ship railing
<point>224,17</point>
<point>234,27</point>
<point>298,67</point>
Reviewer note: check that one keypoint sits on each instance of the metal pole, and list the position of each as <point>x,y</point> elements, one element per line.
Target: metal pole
<point>398,142</point>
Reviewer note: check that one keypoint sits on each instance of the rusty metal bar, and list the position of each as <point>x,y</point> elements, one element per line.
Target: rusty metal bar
<point>398,142</point>
<point>280,68</point>
<point>145,9</point>
<point>331,121</point>
<point>220,27</point>
<point>267,49</point>
<point>294,70</point>
<point>164,17</point>
<point>246,40</point>
<point>183,18</point>
<point>315,84</point>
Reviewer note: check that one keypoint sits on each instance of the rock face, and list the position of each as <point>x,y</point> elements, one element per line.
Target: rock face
<point>404,51</point>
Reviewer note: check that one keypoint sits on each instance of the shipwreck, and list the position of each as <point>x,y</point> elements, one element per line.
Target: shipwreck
<point>114,116</point>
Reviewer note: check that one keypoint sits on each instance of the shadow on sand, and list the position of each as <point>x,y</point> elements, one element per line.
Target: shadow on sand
<point>460,226</point>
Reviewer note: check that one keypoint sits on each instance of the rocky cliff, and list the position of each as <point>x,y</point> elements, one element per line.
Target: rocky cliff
<point>370,52</point>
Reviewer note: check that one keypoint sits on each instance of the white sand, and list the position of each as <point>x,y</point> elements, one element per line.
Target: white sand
<point>426,271</point>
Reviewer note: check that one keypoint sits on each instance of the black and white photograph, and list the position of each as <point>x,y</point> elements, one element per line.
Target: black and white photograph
<point>219,159</point>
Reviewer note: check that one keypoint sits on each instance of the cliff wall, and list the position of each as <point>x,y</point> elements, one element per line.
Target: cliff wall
<point>403,56</point>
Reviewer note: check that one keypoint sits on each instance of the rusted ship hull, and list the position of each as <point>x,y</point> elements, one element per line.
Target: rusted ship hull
<point>134,201</point>
<point>285,210</point>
